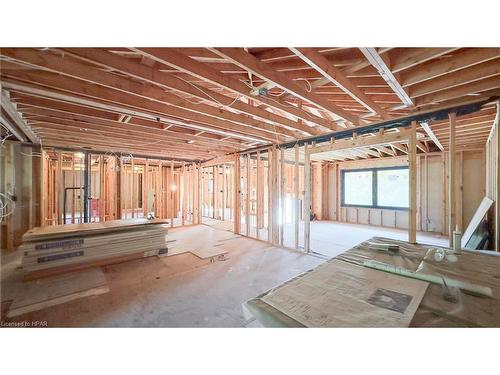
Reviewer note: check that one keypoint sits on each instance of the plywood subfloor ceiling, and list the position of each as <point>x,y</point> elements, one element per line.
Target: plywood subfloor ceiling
<point>199,103</point>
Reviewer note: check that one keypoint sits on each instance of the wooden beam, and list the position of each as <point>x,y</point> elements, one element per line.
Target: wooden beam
<point>307,199</point>
<point>75,69</point>
<point>412,166</point>
<point>385,72</point>
<point>170,81</point>
<point>460,60</point>
<point>174,57</point>
<point>451,180</point>
<point>9,108</point>
<point>236,196</point>
<point>132,112</point>
<point>250,63</point>
<point>477,72</point>
<point>362,142</point>
<point>431,135</point>
<point>492,83</point>
<point>296,182</point>
<point>338,78</point>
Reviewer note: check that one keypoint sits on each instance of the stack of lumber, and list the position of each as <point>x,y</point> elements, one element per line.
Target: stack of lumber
<point>58,249</point>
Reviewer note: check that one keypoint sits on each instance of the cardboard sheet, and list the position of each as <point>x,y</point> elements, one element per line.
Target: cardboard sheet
<point>342,294</point>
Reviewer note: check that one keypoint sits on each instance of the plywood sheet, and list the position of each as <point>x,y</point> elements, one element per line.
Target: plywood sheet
<point>40,294</point>
<point>341,294</point>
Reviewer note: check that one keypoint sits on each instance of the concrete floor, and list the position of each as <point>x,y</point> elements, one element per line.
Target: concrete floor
<point>186,291</point>
<point>331,238</point>
<point>177,291</point>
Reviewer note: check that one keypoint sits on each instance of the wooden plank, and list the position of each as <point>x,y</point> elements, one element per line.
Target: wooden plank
<point>247,202</point>
<point>378,63</point>
<point>39,295</point>
<point>236,196</point>
<point>178,60</point>
<point>481,211</point>
<point>338,78</point>
<point>358,142</point>
<point>102,197</point>
<point>250,63</point>
<point>307,199</point>
<point>171,193</point>
<point>296,216</point>
<point>412,165</point>
<point>452,177</point>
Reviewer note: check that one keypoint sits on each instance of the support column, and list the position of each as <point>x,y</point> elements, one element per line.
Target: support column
<point>307,199</point>
<point>236,195</point>
<point>86,188</point>
<point>296,215</point>
<point>412,170</point>
<point>451,182</point>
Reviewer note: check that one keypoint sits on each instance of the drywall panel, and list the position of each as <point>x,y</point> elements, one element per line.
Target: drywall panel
<point>435,194</point>
<point>473,183</point>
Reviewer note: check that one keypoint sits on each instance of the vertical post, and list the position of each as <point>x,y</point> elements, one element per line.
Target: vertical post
<point>59,190</point>
<point>451,176</point>
<point>86,193</point>
<point>215,187</point>
<point>119,184</point>
<point>42,189</point>
<point>282,195</point>
<point>171,193</point>
<point>101,188</point>
<point>296,214</point>
<point>199,192</point>
<point>496,163</point>
<point>224,203</point>
<point>247,202</point>
<point>259,194</point>
<point>307,199</point>
<point>236,195</point>
<point>145,188</point>
<point>183,192</point>
<point>412,169</point>
<point>132,188</point>
<point>73,191</point>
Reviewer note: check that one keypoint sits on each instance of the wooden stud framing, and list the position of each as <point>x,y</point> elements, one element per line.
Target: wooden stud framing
<point>451,179</point>
<point>307,199</point>
<point>236,196</point>
<point>412,170</point>
<point>296,215</point>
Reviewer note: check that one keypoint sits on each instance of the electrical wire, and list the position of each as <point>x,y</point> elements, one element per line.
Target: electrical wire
<point>210,96</point>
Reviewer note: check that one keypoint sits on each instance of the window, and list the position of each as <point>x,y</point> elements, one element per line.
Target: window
<point>376,187</point>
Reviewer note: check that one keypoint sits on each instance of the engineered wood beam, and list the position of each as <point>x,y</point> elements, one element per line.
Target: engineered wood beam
<point>385,72</point>
<point>170,81</point>
<point>360,142</point>
<point>431,135</point>
<point>74,69</point>
<point>415,56</point>
<point>250,63</point>
<point>9,108</point>
<point>460,77</point>
<point>155,116</point>
<point>176,59</point>
<point>492,83</point>
<point>459,60</point>
<point>338,78</point>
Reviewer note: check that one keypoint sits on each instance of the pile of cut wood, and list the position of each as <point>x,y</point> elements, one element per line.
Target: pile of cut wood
<point>58,249</point>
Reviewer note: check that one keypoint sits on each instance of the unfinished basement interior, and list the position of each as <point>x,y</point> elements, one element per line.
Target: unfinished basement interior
<point>250,187</point>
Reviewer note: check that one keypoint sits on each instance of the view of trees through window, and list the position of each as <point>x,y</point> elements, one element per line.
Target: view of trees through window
<point>377,187</point>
